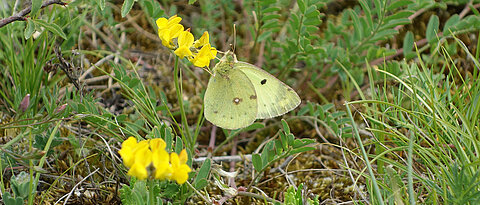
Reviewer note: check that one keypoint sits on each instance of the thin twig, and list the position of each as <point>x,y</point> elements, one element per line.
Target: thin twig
<point>224,158</point>
<point>20,16</point>
<point>258,196</point>
<point>75,187</point>
<point>231,181</point>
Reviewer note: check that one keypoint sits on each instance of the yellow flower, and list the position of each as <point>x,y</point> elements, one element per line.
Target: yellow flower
<point>179,166</point>
<point>157,144</point>
<point>143,158</point>
<point>164,23</point>
<point>204,40</point>
<point>127,151</point>
<point>169,29</point>
<point>203,57</point>
<point>139,156</point>
<point>163,169</point>
<point>185,41</point>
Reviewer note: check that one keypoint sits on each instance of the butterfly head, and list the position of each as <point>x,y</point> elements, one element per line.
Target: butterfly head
<point>226,64</point>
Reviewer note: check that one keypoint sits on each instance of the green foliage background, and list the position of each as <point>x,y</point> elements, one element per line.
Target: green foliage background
<point>390,100</point>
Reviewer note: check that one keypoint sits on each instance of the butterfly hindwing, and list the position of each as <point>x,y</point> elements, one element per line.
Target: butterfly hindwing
<point>230,100</point>
<point>274,97</point>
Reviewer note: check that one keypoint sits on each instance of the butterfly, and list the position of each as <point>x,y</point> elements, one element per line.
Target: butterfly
<point>238,93</point>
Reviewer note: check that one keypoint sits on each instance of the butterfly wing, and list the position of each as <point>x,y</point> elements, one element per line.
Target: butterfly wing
<point>274,97</point>
<point>230,100</point>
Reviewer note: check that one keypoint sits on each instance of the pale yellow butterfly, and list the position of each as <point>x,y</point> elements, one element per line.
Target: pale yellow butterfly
<point>238,93</point>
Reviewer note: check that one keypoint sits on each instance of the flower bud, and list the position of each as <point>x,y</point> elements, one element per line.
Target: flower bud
<point>25,103</point>
<point>60,108</point>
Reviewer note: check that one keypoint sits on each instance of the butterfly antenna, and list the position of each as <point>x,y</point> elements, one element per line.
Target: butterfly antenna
<point>234,37</point>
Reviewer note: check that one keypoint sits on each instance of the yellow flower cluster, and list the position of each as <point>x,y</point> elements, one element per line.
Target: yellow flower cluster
<point>199,52</point>
<point>142,156</point>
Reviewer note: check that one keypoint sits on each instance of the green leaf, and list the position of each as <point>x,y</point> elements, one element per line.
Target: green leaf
<point>254,126</point>
<point>36,5</point>
<point>271,152</point>
<point>367,11</point>
<point>52,27</point>
<point>294,21</point>
<point>178,145</point>
<point>257,162</point>
<point>278,147</point>
<point>299,194</point>
<point>450,24</point>
<point>20,184</point>
<point>265,154</point>
<point>168,136</point>
<point>191,1</point>
<point>202,174</point>
<point>385,34</point>
<point>312,21</point>
<point>8,199</point>
<point>333,125</point>
<point>408,43</point>
<point>270,17</point>
<point>378,7</point>
<point>284,140</point>
<point>399,15</point>
<point>432,28</point>
<point>394,23</point>
<point>270,9</point>
<point>270,24</point>
<point>126,7</point>
<point>396,4</point>
<point>356,24</point>
<point>200,184</point>
<point>264,36</point>
<point>267,3</point>
<point>286,129</point>
<point>29,29</point>
<point>301,6</point>
<point>139,192</point>
<point>149,7</point>
<point>101,3</point>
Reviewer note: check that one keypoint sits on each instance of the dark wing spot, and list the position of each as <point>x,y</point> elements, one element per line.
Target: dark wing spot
<point>263,81</point>
<point>231,118</point>
<point>237,100</point>
<point>264,105</point>
<point>215,112</point>
<point>253,97</point>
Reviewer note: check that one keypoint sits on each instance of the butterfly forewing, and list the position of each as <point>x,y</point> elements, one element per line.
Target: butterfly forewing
<point>230,100</point>
<point>274,97</point>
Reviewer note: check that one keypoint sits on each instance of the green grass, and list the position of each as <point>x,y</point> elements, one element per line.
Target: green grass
<point>389,114</point>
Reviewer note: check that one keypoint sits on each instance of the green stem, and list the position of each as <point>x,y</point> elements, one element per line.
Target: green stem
<point>151,185</point>
<point>30,163</point>
<point>198,193</point>
<point>376,189</point>
<point>42,161</point>
<point>293,59</point>
<point>2,188</point>
<point>178,87</point>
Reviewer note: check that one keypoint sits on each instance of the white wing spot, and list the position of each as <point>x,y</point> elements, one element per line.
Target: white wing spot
<point>237,100</point>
